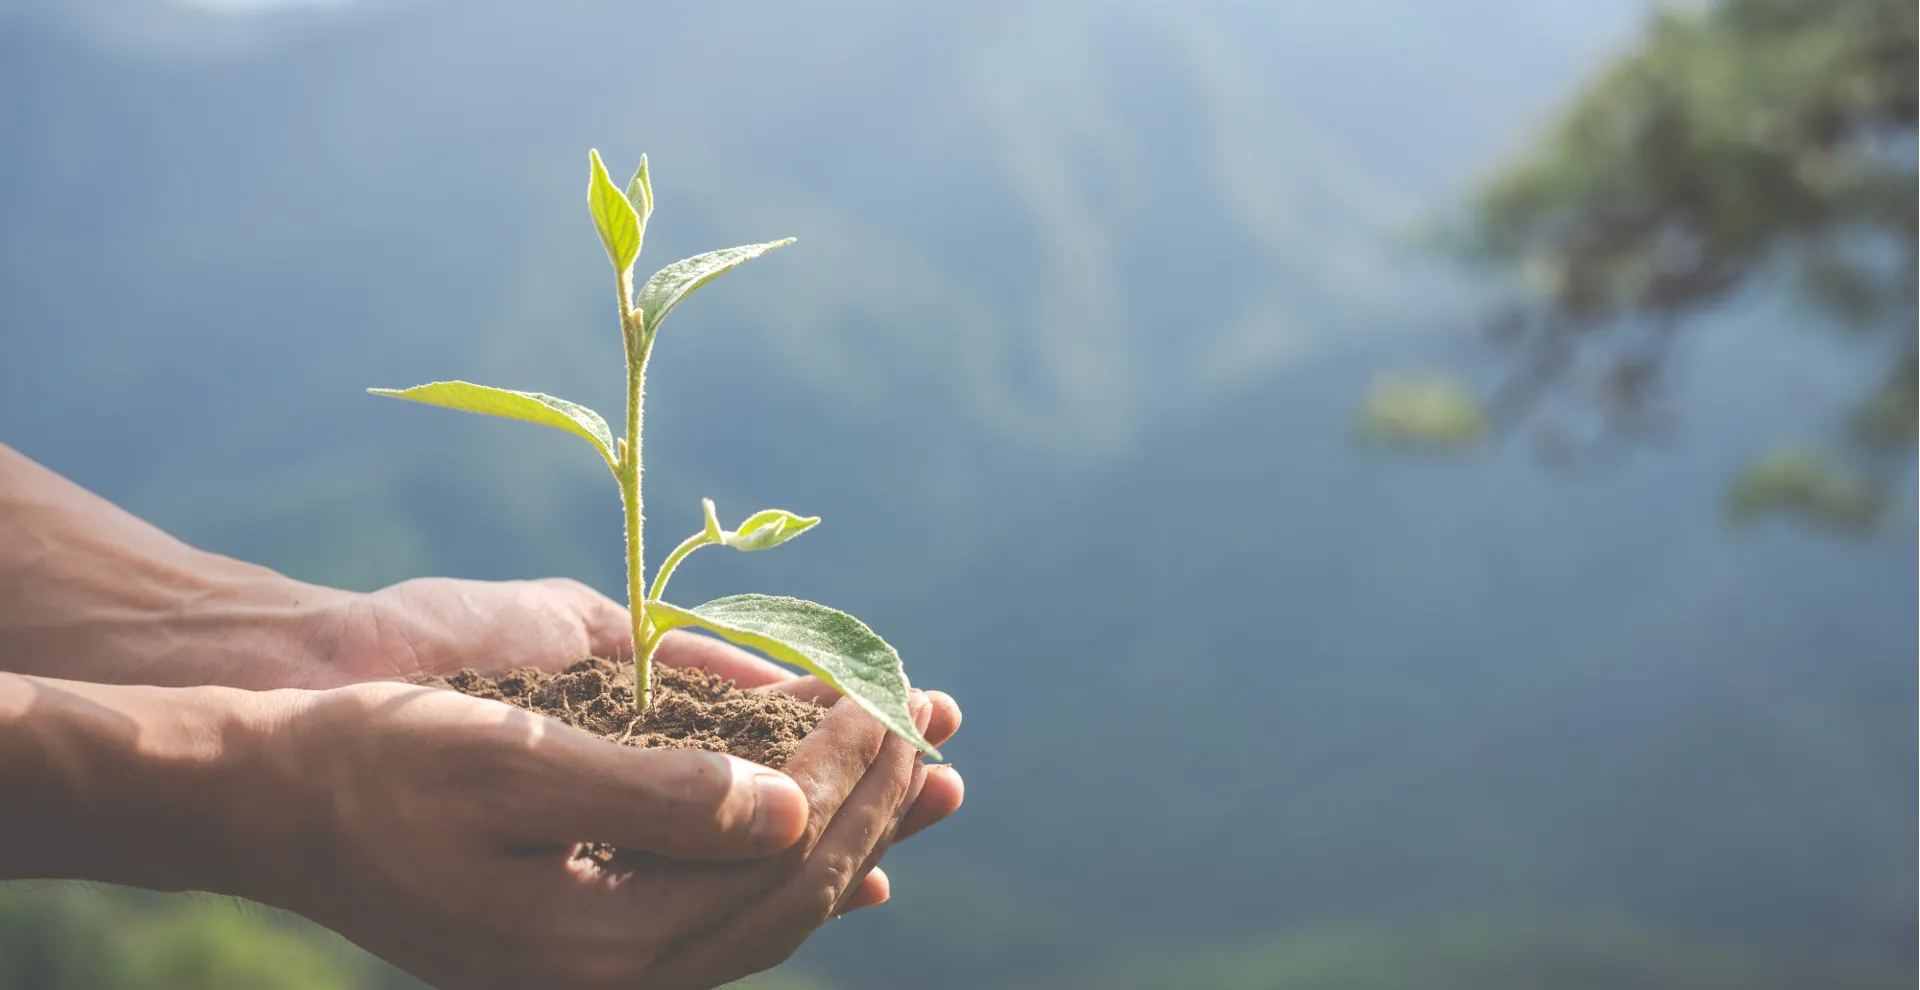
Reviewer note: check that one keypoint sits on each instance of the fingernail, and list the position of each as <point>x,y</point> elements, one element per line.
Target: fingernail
<point>886,886</point>
<point>779,810</point>
<point>920,708</point>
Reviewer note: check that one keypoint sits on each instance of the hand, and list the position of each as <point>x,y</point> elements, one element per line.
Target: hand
<point>436,829</point>
<point>89,592</point>
<point>944,790</point>
<point>439,625</point>
<point>445,827</point>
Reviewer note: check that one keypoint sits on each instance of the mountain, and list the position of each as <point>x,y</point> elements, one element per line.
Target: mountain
<point>1053,225</point>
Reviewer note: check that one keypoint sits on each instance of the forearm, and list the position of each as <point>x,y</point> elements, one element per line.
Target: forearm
<point>89,592</point>
<point>162,788</point>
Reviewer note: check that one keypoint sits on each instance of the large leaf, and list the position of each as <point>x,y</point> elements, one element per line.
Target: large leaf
<point>830,644</point>
<point>532,407</point>
<point>613,216</point>
<point>668,286</point>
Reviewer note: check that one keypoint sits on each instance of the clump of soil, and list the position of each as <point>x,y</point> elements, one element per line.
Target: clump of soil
<point>691,708</point>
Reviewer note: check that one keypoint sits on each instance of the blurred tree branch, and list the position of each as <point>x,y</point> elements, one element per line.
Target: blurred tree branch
<point>1741,141</point>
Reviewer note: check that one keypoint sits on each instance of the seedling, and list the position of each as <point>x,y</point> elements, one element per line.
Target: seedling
<point>832,645</point>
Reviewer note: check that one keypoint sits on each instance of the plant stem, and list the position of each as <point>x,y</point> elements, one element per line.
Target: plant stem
<point>638,344</point>
<point>636,590</point>
<point>687,546</point>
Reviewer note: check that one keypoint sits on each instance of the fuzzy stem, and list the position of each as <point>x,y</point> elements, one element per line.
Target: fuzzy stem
<point>636,589</point>
<point>687,546</point>
<point>638,344</point>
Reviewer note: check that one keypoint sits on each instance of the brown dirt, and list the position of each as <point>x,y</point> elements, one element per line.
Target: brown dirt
<point>691,708</point>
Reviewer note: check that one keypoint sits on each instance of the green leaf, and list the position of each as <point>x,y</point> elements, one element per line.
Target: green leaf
<point>532,407</point>
<point>613,216</point>
<point>668,286</point>
<point>763,529</point>
<point>640,194</point>
<point>768,528</point>
<point>828,643</point>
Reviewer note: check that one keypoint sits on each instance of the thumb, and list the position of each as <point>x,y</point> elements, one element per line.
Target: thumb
<point>608,628</point>
<point>679,803</point>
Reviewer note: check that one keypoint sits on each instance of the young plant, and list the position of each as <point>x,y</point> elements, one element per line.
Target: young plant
<point>832,645</point>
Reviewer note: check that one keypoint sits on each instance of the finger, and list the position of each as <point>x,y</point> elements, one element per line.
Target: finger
<point>851,844</point>
<point>808,688</point>
<point>607,624</point>
<point>921,710</point>
<point>875,888</point>
<point>830,764</point>
<point>945,720</point>
<point>681,803</point>
<point>827,767</point>
<point>871,864</point>
<point>940,796</point>
<point>679,648</point>
<point>768,931</point>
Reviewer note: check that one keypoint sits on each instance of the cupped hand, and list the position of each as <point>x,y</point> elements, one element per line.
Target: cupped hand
<point>439,833</point>
<point>944,790</point>
<point>434,626</point>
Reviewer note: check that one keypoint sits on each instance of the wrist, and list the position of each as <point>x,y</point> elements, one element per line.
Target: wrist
<point>162,788</point>
<point>93,612</point>
<point>256,630</point>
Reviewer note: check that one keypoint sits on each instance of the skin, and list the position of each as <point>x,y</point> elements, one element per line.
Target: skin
<point>178,720</point>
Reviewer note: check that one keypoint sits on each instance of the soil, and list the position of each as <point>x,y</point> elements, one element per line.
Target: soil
<point>691,708</point>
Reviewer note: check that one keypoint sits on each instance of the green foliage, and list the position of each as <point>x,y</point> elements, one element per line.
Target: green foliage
<point>763,529</point>
<point>778,980</point>
<point>1804,484</point>
<point>671,285</point>
<point>1886,422</point>
<point>1509,955</point>
<point>1430,411</point>
<point>211,946</point>
<point>640,194</point>
<point>75,937</point>
<point>533,407</point>
<point>1740,141</point>
<point>830,644</point>
<point>614,215</point>
<point>833,645</point>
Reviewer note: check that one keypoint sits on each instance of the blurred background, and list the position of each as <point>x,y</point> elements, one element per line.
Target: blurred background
<point>1410,493</point>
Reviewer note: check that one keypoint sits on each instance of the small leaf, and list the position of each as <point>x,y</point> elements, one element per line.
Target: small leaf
<point>763,529</point>
<point>613,216</point>
<point>532,407</point>
<point>768,528</point>
<point>830,644</point>
<point>668,286</point>
<point>640,194</point>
